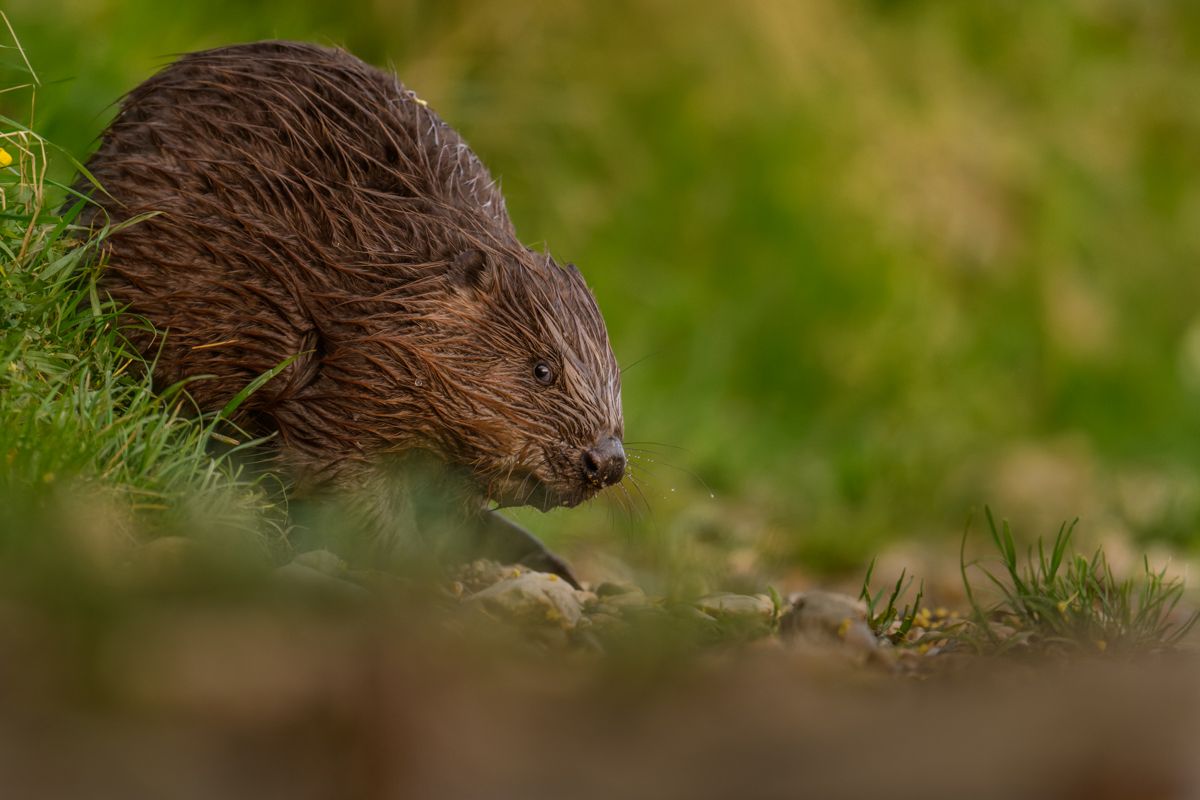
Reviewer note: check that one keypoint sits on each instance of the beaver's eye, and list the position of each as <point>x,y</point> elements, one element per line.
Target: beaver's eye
<point>543,374</point>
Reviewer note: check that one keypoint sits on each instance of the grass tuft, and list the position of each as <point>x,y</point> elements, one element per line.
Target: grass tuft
<point>77,405</point>
<point>1050,600</point>
<point>891,621</point>
<point>1055,599</point>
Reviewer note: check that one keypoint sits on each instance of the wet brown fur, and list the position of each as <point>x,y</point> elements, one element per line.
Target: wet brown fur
<point>307,205</point>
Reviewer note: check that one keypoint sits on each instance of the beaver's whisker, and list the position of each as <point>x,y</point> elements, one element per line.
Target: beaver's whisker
<point>628,367</point>
<point>645,502</point>
<point>512,465</point>
<point>626,500</point>
<point>520,493</point>
<point>657,444</point>
<point>644,465</point>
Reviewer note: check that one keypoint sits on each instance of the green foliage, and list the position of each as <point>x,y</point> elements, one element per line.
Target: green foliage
<point>1050,600</point>
<point>1058,599</point>
<point>77,408</point>
<point>890,621</point>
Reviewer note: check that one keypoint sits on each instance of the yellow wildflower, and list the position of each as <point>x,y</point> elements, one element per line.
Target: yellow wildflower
<point>5,157</point>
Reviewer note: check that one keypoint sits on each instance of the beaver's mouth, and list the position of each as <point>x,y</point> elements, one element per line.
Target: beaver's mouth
<point>563,478</point>
<point>532,490</point>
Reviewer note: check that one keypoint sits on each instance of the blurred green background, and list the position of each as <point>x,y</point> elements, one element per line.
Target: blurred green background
<point>869,264</point>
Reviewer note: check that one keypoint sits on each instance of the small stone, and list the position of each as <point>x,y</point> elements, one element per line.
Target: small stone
<point>482,573</point>
<point>725,605</point>
<point>533,597</point>
<point>819,611</point>
<point>828,617</point>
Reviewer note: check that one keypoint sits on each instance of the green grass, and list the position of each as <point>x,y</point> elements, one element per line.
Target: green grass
<point>1054,598</point>
<point>887,619</point>
<point>1051,600</point>
<point>78,413</point>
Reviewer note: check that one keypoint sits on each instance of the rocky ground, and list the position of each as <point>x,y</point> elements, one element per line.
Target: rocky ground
<point>503,683</point>
<point>549,611</point>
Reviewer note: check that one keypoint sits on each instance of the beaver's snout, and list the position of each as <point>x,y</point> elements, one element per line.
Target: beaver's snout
<point>604,463</point>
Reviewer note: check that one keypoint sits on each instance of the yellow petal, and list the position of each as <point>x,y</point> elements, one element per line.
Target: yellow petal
<point>5,158</point>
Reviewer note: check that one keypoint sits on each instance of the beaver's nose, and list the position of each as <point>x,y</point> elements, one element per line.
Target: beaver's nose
<point>604,464</point>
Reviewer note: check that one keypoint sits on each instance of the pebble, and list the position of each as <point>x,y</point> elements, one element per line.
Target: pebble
<point>819,617</point>
<point>724,605</point>
<point>533,596</point>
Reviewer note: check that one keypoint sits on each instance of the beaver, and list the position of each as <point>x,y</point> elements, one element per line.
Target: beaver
<point>299,210</point>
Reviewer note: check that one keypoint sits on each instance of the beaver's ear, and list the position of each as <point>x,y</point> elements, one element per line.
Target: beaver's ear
<point>472,269</point>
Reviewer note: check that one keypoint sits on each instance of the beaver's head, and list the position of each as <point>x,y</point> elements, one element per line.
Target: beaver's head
<point>498,356</point>
<point>511,358</point>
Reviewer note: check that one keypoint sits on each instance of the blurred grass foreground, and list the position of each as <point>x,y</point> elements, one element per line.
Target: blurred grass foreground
<point>868,264</point>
